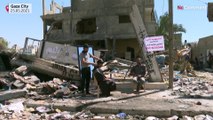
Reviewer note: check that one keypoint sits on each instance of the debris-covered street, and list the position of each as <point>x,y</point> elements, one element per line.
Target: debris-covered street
<point>27,96</point>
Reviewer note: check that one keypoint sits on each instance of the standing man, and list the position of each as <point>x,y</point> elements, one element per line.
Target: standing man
<point>85,68</point>
<point>139,71</point>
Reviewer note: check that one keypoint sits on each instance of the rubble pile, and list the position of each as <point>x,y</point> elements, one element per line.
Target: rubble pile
<point>22,78</point>
<point>17,111</point>
<point>37,89</point>
<point>18,79</point>
<point>194,87</point>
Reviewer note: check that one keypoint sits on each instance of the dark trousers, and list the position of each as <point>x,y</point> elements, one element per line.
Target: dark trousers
<point>86,73</point>
<point>106,86</point>
<point>140,82</point>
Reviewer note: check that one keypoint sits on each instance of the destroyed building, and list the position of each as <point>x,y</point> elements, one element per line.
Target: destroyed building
<point>104,24</point>
<point>204,46</point>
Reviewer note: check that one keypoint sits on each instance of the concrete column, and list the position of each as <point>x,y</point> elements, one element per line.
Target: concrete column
<point>44,7</point>
<point>44,29</point>
<point>144,8</point>
<point>25,44</point>
<point>113,47</point>
<point>53,6</point>
<point>106,43</point>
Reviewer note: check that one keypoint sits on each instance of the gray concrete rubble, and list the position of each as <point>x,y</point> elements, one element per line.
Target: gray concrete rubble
<point>59,98</point>
<point>12,94</point>
<point>47,67</point>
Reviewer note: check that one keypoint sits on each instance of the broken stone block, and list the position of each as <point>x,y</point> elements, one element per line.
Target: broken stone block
<point>18,84</point>
<point>3,83</point>
<point>198,103</point>
<point>32,79</point>
<point>43,109</point>
<point>30,87</point>
<point>199,117</point>
<point>61,92</point>
<point>17,77</point>
<point>187,118</point>
<point>152,118</point>
<point>57,81</point>
<point>73,87</point>
<point>208,117</point>
<point>21,70</point>
<point>98,118</point>
<point>173,118</point>
<point>16,107</point>
<point>62,115</point>
<point>6,95</point>
<point>49,88</point>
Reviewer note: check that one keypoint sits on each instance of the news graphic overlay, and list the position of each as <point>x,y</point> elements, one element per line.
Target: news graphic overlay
<point>19,8</point>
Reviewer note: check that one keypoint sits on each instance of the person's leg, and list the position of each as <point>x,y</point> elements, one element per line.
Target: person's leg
<point>105,89</point>
<point>139,83</point>
<point>83,80</point>
<point>112,86</point>
<point>88,78</point>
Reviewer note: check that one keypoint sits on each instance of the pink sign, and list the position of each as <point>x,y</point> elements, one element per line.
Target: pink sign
<point>155,43</point>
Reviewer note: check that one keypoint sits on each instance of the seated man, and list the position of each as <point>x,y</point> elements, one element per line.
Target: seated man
<point>139,71</point>
<point>106,85</point>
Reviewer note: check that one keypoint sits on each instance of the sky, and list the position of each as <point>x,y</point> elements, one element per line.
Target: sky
<point>193,17</point>
<point>15,27</point>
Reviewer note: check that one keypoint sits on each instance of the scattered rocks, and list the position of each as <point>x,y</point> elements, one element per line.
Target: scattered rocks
<point>193,87</point>
<point>198,103</point>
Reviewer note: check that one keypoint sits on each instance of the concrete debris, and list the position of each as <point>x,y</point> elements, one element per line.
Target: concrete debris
<point>55,88</point>
<point>12,94</point>
<point>43,109</point>
<point>18,84</point>
<point>199,117</point>
<point>62,115</point>
<point>152,118</point>
<point>17,111</point>
<point>21,70</point>
<point>16,107</point>
<point>193,87</point>
<point>173,118</point>
<point>62,92</point>
<point>187,118</point>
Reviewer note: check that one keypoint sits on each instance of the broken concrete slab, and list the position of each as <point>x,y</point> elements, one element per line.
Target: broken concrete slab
<point>125,86</point>
<point>66,105</point>
<point>47,67</point>
<point>32,79</point>
<point>141,106</point>
<point>145,106</point>
<point>20,70</point>
<point>18,84</point>
<point>192,110</point>
<point>12,94</point>
<point>155,85</point>
<point>61,92</point>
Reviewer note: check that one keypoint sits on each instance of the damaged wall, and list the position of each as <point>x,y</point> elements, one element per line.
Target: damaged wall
<point>204,45</point>
<point>108,14</point>
<point>62,53</point>
<point>101,20</point>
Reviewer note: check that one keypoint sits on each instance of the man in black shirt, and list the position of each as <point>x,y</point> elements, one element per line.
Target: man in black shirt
<point>139,71</point>
<point>106,85</point>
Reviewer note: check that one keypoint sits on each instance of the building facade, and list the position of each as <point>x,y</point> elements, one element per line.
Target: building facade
<point>204,46</point>
<point>105,24</point>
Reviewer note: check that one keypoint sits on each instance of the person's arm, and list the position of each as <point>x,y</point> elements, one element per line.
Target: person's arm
<point>94,57</point>
<point>132,73</point>
<point>146,72</point>
<point>85,62</point>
